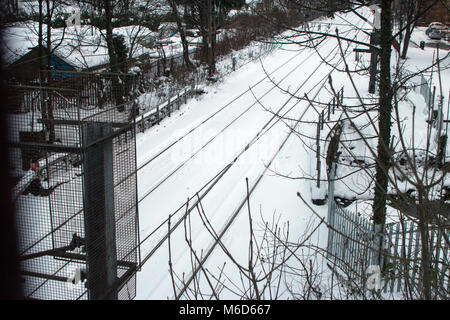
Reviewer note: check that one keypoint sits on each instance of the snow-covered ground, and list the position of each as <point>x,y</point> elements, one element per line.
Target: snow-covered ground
<point>413,114</point>
<point>217,140</point>
<point>187,166</point>
<point>203,152</point>
<point>85,46</point>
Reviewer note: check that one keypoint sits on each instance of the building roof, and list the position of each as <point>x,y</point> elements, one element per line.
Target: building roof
<point>46,53</point>
<point>78,46</point>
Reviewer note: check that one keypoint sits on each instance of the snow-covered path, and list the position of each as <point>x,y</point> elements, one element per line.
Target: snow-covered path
<point>186,167</point>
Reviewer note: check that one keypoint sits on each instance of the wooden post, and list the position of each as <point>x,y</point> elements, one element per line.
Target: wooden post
<point>374,40</point>
<point>168,106</point>
<point>158,117</point>
<point>318,153</point>
<point>331,208</point>
<point>322,120</point>
<point>433,97</point>
<point>158,68</point>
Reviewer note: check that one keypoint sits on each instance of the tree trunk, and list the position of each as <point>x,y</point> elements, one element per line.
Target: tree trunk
<point>211,38</point>
<point>188,62</point>
<point>41,60</point>
<point>109,37</point>
<point>384,124</point>
<point>406,42</point>
<point>409,27</point>
<point>203,27</point>
<point>48,74</point>
<point>413,9</point>
<point>113,61</point>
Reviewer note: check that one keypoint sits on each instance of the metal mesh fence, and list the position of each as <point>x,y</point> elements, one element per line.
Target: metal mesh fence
<point>73,154</point>
<point>351,245</point>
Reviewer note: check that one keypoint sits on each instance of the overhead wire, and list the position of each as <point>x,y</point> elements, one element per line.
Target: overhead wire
<point>226,168</point>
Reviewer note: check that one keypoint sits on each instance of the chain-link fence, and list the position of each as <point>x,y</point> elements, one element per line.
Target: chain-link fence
<point>73,154</point>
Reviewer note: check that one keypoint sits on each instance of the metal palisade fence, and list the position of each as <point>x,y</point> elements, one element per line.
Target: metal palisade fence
<point>352,249</point>
<point>402,259</point>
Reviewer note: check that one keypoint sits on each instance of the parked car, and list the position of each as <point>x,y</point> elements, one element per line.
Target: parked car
<point>435,34</point>
<point>435,26</point>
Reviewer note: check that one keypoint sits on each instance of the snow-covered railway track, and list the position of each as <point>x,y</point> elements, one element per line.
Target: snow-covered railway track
<point>275,116</point>
<point>220,194</point>
<point>274,119</point>
<point>214,137</point>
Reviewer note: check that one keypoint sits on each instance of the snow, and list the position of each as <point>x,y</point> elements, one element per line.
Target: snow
<point>231,133</point>
<point>83,46</point>
<point>23,183</point>
<point>206,155</point>
<point>275,199</point>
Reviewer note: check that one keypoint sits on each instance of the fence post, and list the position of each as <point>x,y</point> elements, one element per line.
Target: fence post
<point>99,211</point>
<point>374,40</point>
<point>168,106</point>
<point>331,208</point>
<point>158,118</point>
<point>433,97</point>
<point>158,68</point>
<point>441,139</point>
<point>178,101</point>
<point>318,153</point>
<point>322,120</point>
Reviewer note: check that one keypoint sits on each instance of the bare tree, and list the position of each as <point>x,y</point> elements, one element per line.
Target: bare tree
<point>391,162</point>
<point>184,43</point>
